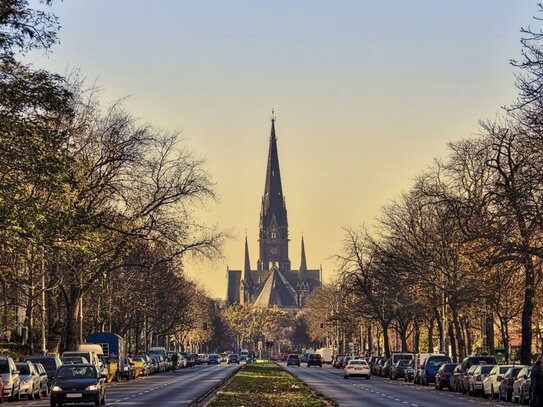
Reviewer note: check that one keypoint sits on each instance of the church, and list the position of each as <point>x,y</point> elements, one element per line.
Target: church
<point>274,282</point>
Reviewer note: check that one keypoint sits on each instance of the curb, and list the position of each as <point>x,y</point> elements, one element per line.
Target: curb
<point>208,396</point>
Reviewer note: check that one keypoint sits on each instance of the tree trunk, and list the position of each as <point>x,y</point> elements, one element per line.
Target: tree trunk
<point>527,312</point>
<point>72,323</point>
<point>416,336</point>
<point>370,340</point>
<point>452,338</point>
<point>431,336</point>
<point>386,339</point>
<point>458,333</point>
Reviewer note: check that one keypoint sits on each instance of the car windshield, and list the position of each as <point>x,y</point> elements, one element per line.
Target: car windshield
<point>486,369</point>
<point>23,369</point>
<point>515,371</point>
<point>435,362</point>
<point>48,363</point>
<point>4,366</point>
<point>403,363</point>
<point>65,372</point>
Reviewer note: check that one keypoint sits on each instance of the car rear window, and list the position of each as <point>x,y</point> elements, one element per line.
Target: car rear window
<point>357,362</point>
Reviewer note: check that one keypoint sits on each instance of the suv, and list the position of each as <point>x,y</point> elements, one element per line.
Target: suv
<point>10,378</point>
<point>430,367</point>
<point>314,359</point>
<point>293,359</point>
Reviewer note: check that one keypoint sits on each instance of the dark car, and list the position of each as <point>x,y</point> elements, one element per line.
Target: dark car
<point>443,376</point>
<point>314,359</point>
<point>430,367</point>
<point>337,361</point>
<point>506,385</point>
<point>50,363</point>
<point>293,359</point>
<point>378,366</point>
<point>398,370</point>
<point>78,384</point>
<point>521,387</point>
<point>127,369</point>
<point>232,358</point>
<point>409,372</point>
<point>385,370</point>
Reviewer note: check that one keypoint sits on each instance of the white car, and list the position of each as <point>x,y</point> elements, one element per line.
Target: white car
<point>491,383</point>
<point>357,367</point>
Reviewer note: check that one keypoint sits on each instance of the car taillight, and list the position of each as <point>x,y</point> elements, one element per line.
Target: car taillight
<point>350,367</point>
<point>478,377</point>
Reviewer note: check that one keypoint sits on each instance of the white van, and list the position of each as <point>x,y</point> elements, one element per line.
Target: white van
<point>327,355</point>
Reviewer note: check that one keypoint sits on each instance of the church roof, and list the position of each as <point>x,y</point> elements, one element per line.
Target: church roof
<point>276,290</point>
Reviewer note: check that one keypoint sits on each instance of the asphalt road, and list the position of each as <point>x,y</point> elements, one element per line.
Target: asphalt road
<point>379,392</point>
<point>183,388</point>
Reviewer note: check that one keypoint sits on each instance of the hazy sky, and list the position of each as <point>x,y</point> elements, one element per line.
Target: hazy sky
<point>366,94</point>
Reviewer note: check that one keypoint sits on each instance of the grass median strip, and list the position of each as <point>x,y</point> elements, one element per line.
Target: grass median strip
<point>265,384</point>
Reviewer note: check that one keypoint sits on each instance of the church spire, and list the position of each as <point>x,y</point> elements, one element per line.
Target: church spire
<point>302,272</point>
<point>247,267</point>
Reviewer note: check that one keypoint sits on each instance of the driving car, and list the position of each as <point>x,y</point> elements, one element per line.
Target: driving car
<point>314,360</point>
<point>30,380</point>
<point>10,378</point>
<point>233,358</point>
<point>357,367</point>
<point>213,359</point>
<point>78,384</point>
<point>293,359</point>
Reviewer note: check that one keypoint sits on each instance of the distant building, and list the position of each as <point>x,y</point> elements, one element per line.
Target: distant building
<point>274,282</point>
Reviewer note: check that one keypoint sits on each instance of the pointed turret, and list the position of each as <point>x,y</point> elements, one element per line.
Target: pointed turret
<point>302,272</point>
<point>247,266</point>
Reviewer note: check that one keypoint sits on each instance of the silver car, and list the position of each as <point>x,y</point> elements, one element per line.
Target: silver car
<point>491,384</point>
<point>10,378</point>
<point>30,380</point>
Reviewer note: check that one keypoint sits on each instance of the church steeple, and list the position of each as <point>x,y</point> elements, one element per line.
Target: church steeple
<point>273,215</point>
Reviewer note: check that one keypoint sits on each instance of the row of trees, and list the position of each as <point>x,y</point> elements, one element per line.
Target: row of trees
<point>96,208</point>
<point>465,243</point>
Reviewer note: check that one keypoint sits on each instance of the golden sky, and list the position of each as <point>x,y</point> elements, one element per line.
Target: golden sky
<point>366,94</point>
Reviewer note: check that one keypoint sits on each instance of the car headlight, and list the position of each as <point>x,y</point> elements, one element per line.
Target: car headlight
<point>92,387</point>
<point>56,388</point>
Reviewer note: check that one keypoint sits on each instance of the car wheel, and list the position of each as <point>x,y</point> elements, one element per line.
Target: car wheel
<point>98,400</point>
<point>345,376</point>
<point>104,399</point>
<point>368,377</point>
<point>52,403</point>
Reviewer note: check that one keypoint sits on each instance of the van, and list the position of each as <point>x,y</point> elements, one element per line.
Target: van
<point>327,355</point>
<point>420,358</point>
<point>430,367</point>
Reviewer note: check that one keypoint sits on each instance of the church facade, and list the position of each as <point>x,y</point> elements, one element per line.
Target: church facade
<point>273,282</point>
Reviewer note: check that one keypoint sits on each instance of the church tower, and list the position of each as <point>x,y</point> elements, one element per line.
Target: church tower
<point>273,235</point>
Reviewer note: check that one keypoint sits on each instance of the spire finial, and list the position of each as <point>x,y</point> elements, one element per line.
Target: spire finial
<point>273,114</point>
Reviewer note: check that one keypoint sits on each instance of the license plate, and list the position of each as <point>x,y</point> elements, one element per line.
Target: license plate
<point>74,395</point>
<point>357,368</point>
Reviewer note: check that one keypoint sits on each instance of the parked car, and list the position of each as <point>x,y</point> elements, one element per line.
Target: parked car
<point>521,387</point>
<point>505,390</point>
<point>475,383</point>
<point>127,369</point>
<point>44,380</point>
<point>140,365</point>
<point>78,384</point>
<point>430,367</point>
<point>410,371</point>
<point>66,360</point>
<point>314,360</point>
<point>443,376</point>
<point>385,370</point>
<point>233,358</point>
<point>378,366</point>
<point>491,383</point>
<point>10,378</point>
<point>293,359</point>
<point>456,378</point>
<point>30,380</point>
<point>398,370</point>
<point>357,367</point>
<point>213,359</point>
<point>50,363</point>
<point>467,363</point>
<point>466,377</point>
